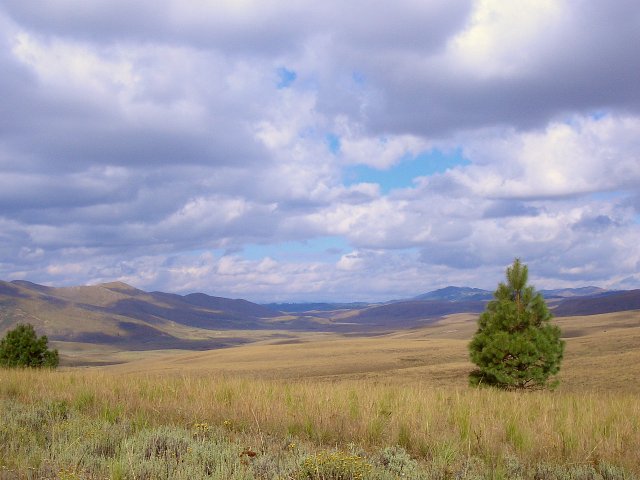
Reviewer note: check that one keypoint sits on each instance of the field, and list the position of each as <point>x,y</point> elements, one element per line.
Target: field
<point>328,407</point>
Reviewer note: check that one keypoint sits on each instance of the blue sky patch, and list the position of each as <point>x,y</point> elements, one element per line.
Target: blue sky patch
<point>599,114</point>
<point>333,142</point>
<point>575,122</point>
<point>608,196</point>
<point>410,167</point>
<point>286,77</point>
<point>358,78</point>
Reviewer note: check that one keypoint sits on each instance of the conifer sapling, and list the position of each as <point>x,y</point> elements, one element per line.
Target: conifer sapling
<point>516,346</point>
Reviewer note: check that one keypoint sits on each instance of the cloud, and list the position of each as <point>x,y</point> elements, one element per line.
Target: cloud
<point>577,157</point>
<point>517,66</point>
<point>595,224</point>
<point>155,143</point>
<point>509,208</point>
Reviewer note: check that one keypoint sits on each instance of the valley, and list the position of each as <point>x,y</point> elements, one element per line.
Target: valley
<point>259,391</point>
<point>115,323</point>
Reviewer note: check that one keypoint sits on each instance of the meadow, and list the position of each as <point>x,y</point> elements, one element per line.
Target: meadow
<point>386,407</point>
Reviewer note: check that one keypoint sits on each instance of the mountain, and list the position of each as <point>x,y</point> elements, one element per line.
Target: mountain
<point>397,313</point>
<point>572,292</point>
<point>446,294</point>
<point>456,294</point>
<point>606,302</point>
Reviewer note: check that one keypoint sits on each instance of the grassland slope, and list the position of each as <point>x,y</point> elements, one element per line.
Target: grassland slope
<point>602,354</point>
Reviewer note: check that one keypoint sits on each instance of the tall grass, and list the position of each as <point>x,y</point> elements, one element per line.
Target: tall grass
<point>445,428</point>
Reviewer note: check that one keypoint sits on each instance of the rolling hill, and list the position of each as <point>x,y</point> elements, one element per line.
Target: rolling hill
<point>118,314</point>
<point>606,302</point>
<point>123,317</point>
<point>404,314</point>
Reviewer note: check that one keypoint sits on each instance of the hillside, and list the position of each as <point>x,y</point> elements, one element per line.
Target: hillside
<point>405,314</point>
<point>121,315</point>
<point>118,314</point>
<point>602,303</point>
<point>124,318</point>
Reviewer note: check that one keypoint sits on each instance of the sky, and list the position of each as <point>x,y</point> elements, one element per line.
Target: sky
<point>319,151</point>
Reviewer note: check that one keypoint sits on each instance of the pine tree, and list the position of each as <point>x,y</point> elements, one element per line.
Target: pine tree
<point>21,347</point>
<point>516,346</point>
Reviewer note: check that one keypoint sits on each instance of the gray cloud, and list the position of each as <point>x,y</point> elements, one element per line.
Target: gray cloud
<point>598,223</point>
<point>583,63</point>
<point>270,27</point>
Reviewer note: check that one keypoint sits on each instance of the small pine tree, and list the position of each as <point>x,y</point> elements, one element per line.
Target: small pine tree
<point>21,347</point>
<point>516,346</point>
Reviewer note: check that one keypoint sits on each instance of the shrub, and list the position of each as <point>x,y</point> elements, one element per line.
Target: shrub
<point>397,461</point>
<point>334,466</point>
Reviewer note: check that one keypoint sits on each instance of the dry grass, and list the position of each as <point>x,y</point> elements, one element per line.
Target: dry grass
<point>406,389</point>
<point>441,425</point>
<point>602,354</point>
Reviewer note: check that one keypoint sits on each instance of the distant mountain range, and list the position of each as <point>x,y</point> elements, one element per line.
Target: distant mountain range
<point>604,302</point>
<point>574,292</point>
<point>121,315</point>
<point>457,294</point>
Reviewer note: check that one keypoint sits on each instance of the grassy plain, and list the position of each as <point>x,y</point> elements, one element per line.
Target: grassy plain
<point>602,354</point>
<point>330,407</point>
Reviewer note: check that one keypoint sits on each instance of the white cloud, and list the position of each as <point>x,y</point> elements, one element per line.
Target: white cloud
<point>71,67</point>
<point>506,39</point>
<point>350,261</point>
<point>382,152</point>
<point>582,156</point>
